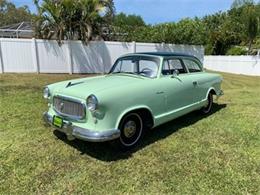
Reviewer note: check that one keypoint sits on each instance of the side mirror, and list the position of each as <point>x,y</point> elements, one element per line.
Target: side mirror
<point>175,73</point>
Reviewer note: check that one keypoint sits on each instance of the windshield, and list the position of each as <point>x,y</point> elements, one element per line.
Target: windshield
<point>143,66</point>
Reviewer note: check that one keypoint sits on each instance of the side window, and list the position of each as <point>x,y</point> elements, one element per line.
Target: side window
<point>172,64</point>
<point>192,65</point>
<point>148,67</point>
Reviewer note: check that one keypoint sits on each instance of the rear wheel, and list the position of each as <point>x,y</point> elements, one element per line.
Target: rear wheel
<point>131,130</point>
<point>208,107</point>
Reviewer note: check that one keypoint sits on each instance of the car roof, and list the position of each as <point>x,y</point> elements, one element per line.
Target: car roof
<point>163,54</point>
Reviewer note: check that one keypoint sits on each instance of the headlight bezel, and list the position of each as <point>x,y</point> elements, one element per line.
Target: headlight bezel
<point>92,103</point>
<point>46,93</point>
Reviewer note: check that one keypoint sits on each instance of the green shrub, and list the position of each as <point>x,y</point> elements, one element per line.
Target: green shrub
<point>236,51</point>
<point>208,49</point>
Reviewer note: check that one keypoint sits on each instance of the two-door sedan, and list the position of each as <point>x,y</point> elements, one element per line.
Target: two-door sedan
<point>141,91</point>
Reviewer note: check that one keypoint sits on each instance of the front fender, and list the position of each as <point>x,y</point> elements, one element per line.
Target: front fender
<point>209,90</point>
<point>131,109</point>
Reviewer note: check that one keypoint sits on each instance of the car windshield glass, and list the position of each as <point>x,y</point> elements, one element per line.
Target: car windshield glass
<point>143,66</point>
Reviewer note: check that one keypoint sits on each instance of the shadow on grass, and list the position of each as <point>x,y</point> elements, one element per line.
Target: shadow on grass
<point>108,152</point>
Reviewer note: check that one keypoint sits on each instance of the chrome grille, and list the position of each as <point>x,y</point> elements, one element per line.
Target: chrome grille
<point>69,107</point>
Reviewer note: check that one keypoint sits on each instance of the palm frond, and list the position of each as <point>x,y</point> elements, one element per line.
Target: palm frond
<point>72,19</point>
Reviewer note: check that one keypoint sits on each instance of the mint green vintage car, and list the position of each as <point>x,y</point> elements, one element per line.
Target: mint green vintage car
<point>141,91</point>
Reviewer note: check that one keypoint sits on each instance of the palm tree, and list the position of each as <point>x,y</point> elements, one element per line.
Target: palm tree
<point>251,21</point>
<point>70,19</point>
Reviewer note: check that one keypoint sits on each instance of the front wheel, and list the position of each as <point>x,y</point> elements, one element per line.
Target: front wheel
<point>131,131</point>
<point>208,107</point>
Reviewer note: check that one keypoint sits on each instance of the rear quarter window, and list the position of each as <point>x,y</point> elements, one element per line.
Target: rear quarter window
<point>192,65</point>
<point>169,65</point>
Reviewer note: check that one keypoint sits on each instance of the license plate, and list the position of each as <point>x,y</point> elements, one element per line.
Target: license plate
<point>57,121</point>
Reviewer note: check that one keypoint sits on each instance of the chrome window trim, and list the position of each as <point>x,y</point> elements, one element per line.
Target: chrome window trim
<point>156,59</point>
<point>67,115</point>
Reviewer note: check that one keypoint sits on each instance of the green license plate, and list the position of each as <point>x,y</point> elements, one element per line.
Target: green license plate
<point>57,121</point>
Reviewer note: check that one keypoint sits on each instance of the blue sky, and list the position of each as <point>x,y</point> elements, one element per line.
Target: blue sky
<point>157,11</point>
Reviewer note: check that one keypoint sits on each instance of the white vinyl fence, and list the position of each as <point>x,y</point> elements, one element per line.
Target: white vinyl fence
<point>247,65</point>
<point>41,56</point>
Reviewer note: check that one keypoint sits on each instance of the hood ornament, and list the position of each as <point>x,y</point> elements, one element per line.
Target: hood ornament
<point>68,84</point>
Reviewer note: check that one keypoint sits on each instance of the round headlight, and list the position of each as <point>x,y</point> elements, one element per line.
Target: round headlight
<point>46,93</point>
<point>92,102</point>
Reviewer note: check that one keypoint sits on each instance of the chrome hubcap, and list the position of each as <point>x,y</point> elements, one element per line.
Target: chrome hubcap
<point>129,129</point>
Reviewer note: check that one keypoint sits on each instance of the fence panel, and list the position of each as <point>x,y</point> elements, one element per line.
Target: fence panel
<point>34,55</point>
<point>17,56</point>
<point>112,50</point>
<point>52,57</point>
<point>86,58</point>
<point>247,65</point>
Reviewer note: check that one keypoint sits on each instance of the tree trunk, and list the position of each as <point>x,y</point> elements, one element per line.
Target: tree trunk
<point>250,46</point>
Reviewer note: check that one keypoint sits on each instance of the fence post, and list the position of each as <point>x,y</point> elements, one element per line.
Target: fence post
<point>134,47</point>
<point>35,56</point>
<point>103,46</point>
<point>70,58</point>
<point>203,54</point>
<point>1,59</point>
<point>163,46</point>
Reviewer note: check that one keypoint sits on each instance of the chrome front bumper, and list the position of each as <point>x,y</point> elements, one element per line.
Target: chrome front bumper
<point>219,94</point>
<point>73,132</point>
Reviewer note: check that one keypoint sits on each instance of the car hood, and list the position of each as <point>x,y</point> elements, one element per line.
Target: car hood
<point>83,87</point>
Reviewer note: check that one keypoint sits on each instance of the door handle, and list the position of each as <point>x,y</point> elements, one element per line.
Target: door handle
<point>195,82</point>
<point>160,92</point>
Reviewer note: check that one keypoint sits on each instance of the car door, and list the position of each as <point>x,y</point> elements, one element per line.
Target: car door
<point>178,85</point>
<point>155,96</point>
<point>196,75</point>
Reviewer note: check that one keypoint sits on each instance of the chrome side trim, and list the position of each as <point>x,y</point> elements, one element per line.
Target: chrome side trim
<point>73,131</point>
<point>180,109</point>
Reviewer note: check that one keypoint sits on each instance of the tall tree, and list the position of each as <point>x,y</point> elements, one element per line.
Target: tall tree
<point>10,14</point>
<point>124,26</point>
<point>240,3</point>
<point>251,22</point>
<point>122,19</point>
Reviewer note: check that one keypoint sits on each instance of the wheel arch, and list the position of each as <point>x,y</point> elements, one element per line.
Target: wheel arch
<point>142,110</point>
<point>211,90</point>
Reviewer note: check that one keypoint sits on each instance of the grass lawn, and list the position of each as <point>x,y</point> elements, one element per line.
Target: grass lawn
<point>218,154</point>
